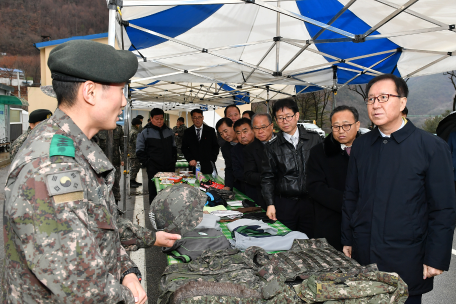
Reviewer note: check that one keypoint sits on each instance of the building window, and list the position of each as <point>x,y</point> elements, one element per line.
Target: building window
<point>15,116</point>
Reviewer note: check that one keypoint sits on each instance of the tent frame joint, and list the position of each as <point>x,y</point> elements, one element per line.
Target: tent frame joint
<point>359,38</point>
<point>278,38</point>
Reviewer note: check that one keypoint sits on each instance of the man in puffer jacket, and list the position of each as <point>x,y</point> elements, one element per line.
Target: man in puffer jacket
<point>156,149</point>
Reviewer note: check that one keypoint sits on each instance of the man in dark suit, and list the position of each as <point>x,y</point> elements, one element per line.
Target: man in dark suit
<point>200,144</point>
<point>327,171</point>
<point>262,128</point>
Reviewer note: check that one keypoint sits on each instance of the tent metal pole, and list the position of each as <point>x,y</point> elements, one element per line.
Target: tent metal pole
<point>278,40</point>
<point>413,13</point>
<point>126,172</point>
<point>389,17</point>
<point>111,41</point>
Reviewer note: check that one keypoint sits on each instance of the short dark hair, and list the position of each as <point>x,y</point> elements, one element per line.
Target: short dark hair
<point>405,111</point>
<point>222,121</point>
<point>285,103</point>
<point>66,92</point>
<point>139,116</point>
<point>250,113</point>
<point>242,121</point>
<point>401,85</point>
<point>267,115</point>
<point>199,111</point>
<point>156,111</point>
<point>181,119</point>
<point>232,106</point>
<point>344,108</point>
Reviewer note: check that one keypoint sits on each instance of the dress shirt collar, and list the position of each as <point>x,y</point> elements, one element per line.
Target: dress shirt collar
<point>295,137</point>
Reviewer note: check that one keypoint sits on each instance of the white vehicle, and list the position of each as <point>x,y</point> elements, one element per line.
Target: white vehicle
<point>313,127</point>
<point>364,130</point>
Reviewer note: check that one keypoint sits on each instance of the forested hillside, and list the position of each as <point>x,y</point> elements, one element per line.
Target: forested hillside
<point>23,22</point>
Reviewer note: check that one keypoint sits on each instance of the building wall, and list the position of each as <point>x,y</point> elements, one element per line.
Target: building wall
<point>38,100</point>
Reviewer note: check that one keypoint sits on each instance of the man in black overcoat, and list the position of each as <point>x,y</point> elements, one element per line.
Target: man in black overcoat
<point>399,205</point>
<point>326,173</point>
<point>224,127</point>
<point>253,152</point>
<point>200,143</point>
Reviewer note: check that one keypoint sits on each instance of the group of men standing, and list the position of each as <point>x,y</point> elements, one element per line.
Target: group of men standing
<point>386,197</point>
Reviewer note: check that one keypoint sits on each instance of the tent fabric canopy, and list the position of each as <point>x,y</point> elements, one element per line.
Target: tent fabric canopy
<point>216,52</point>
<point>10,100</point>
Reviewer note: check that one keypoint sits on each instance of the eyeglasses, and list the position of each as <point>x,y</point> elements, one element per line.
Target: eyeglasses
<point>261,128</point>
<point>287,118</point>
<point>346,127</point>
<point>381,98</point>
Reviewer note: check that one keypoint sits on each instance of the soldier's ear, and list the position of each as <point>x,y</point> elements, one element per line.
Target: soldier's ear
<point>88,92</point>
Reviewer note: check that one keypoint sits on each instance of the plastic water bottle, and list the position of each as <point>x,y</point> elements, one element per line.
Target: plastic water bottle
<point>199,176</point>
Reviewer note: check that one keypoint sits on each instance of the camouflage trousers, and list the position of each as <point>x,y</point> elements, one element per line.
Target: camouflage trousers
<point>135,166</point>
<point>116,186</point>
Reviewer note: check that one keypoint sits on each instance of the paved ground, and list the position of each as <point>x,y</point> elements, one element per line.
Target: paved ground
<point>152,262</point>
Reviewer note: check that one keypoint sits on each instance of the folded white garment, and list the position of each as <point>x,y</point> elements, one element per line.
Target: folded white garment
<point>209,221</point>
<point>227,213</point>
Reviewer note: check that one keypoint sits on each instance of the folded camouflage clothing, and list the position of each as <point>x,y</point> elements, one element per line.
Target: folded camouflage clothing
<point>254,270</point>
<point>364,288</point>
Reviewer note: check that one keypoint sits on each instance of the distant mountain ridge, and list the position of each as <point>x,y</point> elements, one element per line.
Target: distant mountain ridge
<point>24,22</point>
<point>428,95</point>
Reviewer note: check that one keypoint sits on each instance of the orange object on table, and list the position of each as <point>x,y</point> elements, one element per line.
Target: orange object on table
<point>175,179</point>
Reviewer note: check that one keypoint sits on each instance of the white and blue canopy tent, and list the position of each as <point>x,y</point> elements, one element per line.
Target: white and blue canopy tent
<point>219,52</point>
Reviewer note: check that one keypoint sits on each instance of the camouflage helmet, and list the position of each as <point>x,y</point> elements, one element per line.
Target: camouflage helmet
<point>177,209</point>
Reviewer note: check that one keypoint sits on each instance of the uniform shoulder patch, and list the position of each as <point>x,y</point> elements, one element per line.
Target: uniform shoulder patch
<point>65,186</point>
<point>61,145</point>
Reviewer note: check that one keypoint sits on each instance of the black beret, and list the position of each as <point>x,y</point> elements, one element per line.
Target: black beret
<point>39,115</point>
<point>135,121</point>
<point>82,60</point>
<point>140,117</point>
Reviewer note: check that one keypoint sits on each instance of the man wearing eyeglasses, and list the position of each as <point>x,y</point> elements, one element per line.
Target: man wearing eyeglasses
<point>327,171</point>
<point>399,205</point>
<point>284,170</point>
<point>199,143</point>
<point>262,127</point>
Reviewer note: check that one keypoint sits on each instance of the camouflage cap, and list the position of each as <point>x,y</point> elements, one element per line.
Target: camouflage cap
<point>48,90</point>
<point>177,209</point>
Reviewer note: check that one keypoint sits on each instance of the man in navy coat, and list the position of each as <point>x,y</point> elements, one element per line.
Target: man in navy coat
<point>399,205</point>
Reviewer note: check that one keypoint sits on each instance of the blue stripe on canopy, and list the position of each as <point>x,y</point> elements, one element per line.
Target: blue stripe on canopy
<point>172,22</point>
<point>241,98</point>
<point>300,89</point>
<point>323,11</point>
<point>142,88</point>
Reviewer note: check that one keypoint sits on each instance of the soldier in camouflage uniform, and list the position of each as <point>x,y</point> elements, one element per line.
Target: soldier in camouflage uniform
<point>60,222</point>
<point>35,118</point>
<point>117,154</point>
<point>179,133</point>
<point>135,165</point>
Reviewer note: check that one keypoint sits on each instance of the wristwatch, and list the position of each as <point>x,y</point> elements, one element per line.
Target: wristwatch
<point>134,270</point>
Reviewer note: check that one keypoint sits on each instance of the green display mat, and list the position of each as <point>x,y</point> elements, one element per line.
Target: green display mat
<point>238,196</point>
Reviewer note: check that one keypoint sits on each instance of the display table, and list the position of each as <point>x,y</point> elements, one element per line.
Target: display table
<point>238,196</point>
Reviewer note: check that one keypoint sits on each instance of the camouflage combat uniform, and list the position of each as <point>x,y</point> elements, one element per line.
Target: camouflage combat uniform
<point>18,143</point>
<point>61,238</point>
<point>117,155</point>
<point>180,135</point>
<point>135,165</point>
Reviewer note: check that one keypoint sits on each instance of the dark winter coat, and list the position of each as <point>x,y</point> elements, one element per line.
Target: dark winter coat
<point>326,174</point>
<point>155,148</point>
<point>284,167</point>
<point>226,153</point>
<point>205,150</point>
<point>237,158</point>
<point>253,153</point>
<point>399,204</point>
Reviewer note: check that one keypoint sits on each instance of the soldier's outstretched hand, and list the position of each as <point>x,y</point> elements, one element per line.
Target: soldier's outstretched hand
<point>165,239</point>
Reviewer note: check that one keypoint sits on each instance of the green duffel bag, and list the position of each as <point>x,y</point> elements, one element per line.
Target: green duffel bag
<point>193,243</point>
